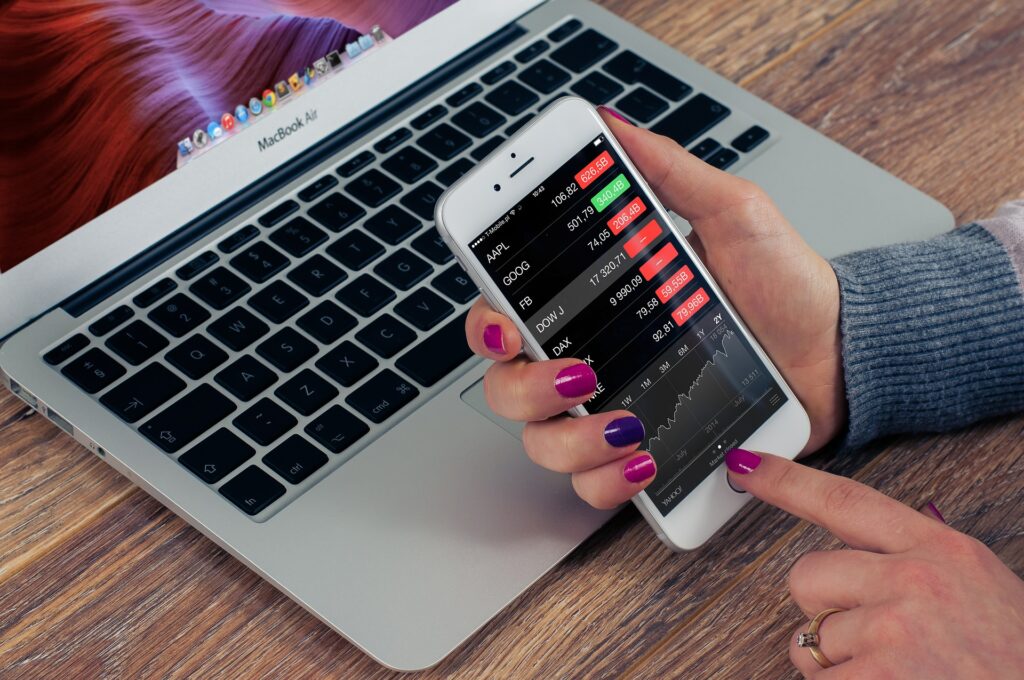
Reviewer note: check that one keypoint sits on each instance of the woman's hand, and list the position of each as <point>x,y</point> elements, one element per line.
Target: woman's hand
<point>783,290</point>
<point>919,599</point>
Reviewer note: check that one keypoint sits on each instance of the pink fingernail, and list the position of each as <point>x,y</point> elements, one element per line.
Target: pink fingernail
<point>935,511</point>
<point>742,461</point>
<point>576,381</point>
<point>615,114</point>
<point>639,468</point>
<point>493,339</point>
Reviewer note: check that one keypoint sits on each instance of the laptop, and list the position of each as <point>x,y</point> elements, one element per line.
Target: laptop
<point>219,274</point>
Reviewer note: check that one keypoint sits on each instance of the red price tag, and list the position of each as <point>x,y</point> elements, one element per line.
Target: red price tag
<point>690,307</point>
<point>626,216</point>
<point>675,284</point>
<point>594,170</point>
<point>658,261</point>
<point>642,238</point>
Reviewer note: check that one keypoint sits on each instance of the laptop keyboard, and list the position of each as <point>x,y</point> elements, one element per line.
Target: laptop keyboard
<point>290,342</point>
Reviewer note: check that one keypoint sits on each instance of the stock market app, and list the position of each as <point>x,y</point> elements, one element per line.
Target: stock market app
<point>597,274</point>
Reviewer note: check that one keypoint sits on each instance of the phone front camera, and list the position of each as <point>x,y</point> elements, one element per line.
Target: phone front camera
<point>497,187</point>
<point>513,155</point>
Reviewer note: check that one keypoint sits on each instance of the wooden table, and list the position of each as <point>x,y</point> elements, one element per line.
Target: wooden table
<point>97,579</point>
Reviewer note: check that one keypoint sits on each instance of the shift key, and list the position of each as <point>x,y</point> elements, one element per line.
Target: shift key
<point>184,420</point>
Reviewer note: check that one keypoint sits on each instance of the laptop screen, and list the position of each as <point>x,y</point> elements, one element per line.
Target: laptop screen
<point>106,97</point>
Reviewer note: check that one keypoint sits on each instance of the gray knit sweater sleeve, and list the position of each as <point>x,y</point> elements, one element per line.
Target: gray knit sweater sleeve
<point>933,332</point>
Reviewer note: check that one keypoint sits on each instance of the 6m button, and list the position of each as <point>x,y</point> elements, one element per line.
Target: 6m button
<point>382,395</point>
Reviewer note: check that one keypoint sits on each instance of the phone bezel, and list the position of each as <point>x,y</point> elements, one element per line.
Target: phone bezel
<point>471,204</point>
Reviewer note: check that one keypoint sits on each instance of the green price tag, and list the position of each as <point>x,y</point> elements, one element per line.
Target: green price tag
<point>613,190</point>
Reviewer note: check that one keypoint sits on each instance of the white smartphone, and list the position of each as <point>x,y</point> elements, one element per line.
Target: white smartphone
<point>563,235</point>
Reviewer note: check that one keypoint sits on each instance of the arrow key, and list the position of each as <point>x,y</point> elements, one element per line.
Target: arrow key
<point>216,456</point>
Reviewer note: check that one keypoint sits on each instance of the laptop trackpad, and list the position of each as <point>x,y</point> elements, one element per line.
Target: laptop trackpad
<point>474,396</point>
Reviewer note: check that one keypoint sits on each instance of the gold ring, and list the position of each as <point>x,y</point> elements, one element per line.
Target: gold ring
<point>810,640</point>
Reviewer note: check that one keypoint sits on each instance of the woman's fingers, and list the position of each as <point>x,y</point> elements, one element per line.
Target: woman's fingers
<point>840,636</point>
<point>614,483</point>
<point>534,390</point>
<point>835,578</point>
<point>579,444</point>
<point>491,334</point>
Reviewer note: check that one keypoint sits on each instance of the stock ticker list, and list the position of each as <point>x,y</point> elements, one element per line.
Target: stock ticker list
<point>595,273</point>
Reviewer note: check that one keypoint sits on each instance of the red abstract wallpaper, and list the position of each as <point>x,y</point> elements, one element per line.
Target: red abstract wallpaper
<point>97,94</point>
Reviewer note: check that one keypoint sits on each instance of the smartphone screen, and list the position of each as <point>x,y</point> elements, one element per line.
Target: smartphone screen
<point>594,273</point>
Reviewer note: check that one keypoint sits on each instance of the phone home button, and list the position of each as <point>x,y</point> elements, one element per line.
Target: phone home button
<point>729,482</point>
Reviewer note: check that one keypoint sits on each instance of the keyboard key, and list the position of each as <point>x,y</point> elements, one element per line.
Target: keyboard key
<point>238,328</point>
<point>252,490</point>
<point>197,264</point>
<point>196,356</point>
<point>355,164</point>
<point>516,126</point>
<point>366,295</point>
<point>186,419</point>
<point>532,51</point>
<point>386,335</point>
<point>498,72</point>
<point>565,30</point>
<point>705,148</point>
<point>94,370</point>
<point>278,213</point>
<point>597,88</point>
<point>750,139</point>
<point>453,172</point>
<point>373,188</point>
<point>154,292</point>
<point>317,275</point>
<point>286,349</point>
<point>409,164</point>
<point>245,377</point>
<point>392,140</point>
<point>382,396</point>
<point>422,199</point>
<point>641,104</point>
<point>111,320</point>
<point>327,322</point>
<point>307,392</point>
<point>278,301</point>
<point>464,94</point>
<point>238,239</point>
<point>219,288</point>
<point>478,119</point>
<point>632,69</point>
<point>141,394</point>
<point>424,308</point>
<point>346,364</point>
<point>355,250</point>
<point>444,141</point>
<point>136,342</point>
<point>298,237</point>
<point>259,262</point>
<point>336,429</point>
<point>336,212</point>
<point>433,247</point>
<point>456,284</point>
<point>264,421</point>
<point>723,158</point>
<point>545,76</point>
<point>695,117</point>
<point>403,269</point>
<point>583,51</point>
<point>295,459</point>
<point>318,188</point>
<point>481,152</point>
<point>178,315</point>
<point>428,117</point>
<point>439,354</point>
<point>217,455</point>
<point>67,349</point>
<point>512,98</point>
<point>392,224</point>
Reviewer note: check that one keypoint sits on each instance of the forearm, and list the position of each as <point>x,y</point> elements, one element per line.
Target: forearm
<point>933,332</point>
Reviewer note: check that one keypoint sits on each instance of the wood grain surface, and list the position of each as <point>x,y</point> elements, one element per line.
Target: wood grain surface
<point>98,580</point>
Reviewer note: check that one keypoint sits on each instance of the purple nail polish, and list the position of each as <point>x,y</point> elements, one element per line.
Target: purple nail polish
<point>638,469</point>
<point>576,381</point>
<point>624,431</point>
<point>493,339</point>
<point>742,461</point>
<point>935,511</point>
<point>615,114</point>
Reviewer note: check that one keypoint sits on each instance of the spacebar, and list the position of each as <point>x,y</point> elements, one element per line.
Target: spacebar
<point>698,115</point>
<point>438,355</point>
